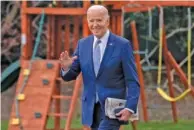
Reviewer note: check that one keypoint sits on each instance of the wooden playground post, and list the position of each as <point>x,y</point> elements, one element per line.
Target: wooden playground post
<point>139,71</point>
<point>113,23</point>
<point>24,31</point>
<point>134,125</point>
<point>180,72</point>
<point>78,84</point>
<point>119,19</point>
<point>58,44</point>
<point>29,36</point>
<point>86,31</point>
<point>75,31</point>
<point>48,55</point>
<point>58,31</point>
<point>115,20</point>
<point>169,76</point>
<point>67,34</point>
<point>57,107</point>
<point>52,36</point>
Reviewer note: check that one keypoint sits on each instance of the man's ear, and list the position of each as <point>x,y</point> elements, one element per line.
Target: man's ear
<point>108,20</point>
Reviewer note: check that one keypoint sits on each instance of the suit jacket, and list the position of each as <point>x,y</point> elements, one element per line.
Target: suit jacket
<point>117,76</point>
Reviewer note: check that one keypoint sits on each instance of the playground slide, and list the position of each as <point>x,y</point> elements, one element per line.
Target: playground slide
<point>10,75</point>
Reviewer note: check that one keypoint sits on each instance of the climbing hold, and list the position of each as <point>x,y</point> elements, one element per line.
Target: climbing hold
<point>21,97</point>
<point>49,65</point>
<point>45,81</point>
<point>15,121</point>
<point>98,1</point>
<point>26,72</point>
<point>54,3</point>
<point>37,115</point>
<point>50,5</point>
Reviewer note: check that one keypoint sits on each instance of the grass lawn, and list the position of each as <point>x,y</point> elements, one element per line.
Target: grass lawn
<point>153,125</point>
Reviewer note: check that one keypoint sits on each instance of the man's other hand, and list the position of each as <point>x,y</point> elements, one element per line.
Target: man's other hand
<point>124,115</point>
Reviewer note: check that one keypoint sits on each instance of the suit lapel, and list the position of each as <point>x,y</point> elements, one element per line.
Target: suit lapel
<point>90,53</point>
<point>107,54</point>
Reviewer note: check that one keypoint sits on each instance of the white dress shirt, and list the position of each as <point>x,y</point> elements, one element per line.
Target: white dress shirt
<point>103,43</point>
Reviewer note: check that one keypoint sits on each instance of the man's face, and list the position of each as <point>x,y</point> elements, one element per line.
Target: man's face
<point>98,23</point>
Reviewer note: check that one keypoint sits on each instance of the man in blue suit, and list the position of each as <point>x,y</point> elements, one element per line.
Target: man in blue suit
<point>108,69</point>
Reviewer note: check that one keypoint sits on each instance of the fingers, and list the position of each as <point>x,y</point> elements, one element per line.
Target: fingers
<point>123,118</point>
<point>74,58</point>
<point>61,55</point>
<point>119,114</point>
<point>122,115</point>
<point>65,60</point>
<point>64,56</point>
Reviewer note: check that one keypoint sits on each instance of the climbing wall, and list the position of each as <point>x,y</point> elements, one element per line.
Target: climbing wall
<point>34,101</point>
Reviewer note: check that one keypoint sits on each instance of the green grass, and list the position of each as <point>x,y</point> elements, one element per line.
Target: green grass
<point>164,125</point>
<point>152,125</point>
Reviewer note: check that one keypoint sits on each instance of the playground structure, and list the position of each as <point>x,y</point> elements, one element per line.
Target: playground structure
<point>38,83</point>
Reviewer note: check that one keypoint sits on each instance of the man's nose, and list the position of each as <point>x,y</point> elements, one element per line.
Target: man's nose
<point>95,24</point>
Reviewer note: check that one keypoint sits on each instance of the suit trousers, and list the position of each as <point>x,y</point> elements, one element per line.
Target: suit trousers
<point>101,122</point>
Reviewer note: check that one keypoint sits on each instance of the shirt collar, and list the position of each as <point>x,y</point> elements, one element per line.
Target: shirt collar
<point>103,39</point>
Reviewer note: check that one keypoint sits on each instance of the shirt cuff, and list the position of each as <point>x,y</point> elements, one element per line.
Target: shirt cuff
<point>130,110</point>
<point>64,72</point>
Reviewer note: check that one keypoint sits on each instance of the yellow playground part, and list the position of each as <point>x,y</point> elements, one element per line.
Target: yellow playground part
<point>15,121</point>
<point>26,72</point>
<point>21,97</point>
<point>159,90</point>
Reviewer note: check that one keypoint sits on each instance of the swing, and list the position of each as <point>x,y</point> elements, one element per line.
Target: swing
<point>159,90</point>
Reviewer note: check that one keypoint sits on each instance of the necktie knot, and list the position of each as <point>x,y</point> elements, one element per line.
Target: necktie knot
<point>98,42</point>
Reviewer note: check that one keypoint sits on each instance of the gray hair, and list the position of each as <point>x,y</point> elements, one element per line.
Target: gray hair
<point>100,8</point>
